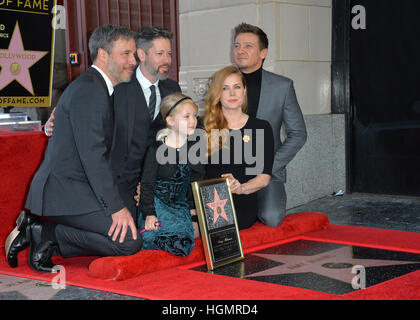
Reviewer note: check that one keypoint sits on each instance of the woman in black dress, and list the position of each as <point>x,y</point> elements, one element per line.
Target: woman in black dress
<point>240,147</point>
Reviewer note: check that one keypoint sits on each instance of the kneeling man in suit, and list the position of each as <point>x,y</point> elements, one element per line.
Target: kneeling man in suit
<point>74,186</point>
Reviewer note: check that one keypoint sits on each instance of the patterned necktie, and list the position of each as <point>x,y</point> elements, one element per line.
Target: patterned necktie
<point>152,102</point>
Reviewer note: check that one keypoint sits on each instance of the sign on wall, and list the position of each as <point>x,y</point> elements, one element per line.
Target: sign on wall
<point>26,52</point>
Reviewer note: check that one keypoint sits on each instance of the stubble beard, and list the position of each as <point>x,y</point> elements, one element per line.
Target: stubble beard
<point>116,71</point>
<point>156,73</point>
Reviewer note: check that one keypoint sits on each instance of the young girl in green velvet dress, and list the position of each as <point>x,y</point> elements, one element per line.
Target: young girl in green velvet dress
<point>166,203</point>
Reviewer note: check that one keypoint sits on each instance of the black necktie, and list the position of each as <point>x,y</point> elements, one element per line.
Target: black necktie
<point>152,102</point>
<point>111,100</point>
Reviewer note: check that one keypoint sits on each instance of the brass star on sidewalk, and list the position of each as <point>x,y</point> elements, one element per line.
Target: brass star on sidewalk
<point>27,288</point>
<point>336,264</point>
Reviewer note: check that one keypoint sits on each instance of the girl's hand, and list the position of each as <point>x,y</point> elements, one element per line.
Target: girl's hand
<point>151,223</point>
<point>195,225</point>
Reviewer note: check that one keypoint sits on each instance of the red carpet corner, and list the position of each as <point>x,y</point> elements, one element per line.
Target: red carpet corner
<point>20,156</point>
<point>179,283</point>
<point>146,261</point>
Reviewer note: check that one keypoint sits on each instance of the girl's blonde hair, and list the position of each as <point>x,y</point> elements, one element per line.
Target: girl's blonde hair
<point>167,110</point>
<point>214,118</point>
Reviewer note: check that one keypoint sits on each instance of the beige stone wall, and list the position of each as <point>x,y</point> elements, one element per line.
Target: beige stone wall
<point>299,32</point>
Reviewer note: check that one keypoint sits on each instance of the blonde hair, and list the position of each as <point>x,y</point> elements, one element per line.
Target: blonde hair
<point>166,110</point>
<point>214,118</point>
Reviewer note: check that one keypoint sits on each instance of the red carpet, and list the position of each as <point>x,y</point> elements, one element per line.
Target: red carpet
<point>121,268</point>
<point>159,275</point>
<point>20,156</point>
<point>178,283</point>
<point>377,238</point>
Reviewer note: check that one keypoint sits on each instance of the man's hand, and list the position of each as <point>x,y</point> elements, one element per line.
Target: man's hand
<point>49,125</point>
<point>121,220</point>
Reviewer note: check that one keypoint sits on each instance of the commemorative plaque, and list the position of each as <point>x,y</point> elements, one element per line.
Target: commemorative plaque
<point>217,222</point>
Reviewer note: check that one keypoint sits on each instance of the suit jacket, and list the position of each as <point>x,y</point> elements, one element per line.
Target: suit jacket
<point>278,104</point>
<point>75,176</point>
<point>134,130</point>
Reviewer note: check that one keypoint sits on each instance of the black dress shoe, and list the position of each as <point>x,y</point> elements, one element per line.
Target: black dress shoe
<point>41,250</point>
<point>16,241</point>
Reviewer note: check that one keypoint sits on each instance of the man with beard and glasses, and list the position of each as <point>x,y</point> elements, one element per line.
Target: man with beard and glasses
<point>138,102</point>
<point>75,186</point>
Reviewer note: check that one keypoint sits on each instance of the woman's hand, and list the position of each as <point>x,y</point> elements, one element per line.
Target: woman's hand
<point>253,185</point>
<point>234,185</point>
<point>151,223</point>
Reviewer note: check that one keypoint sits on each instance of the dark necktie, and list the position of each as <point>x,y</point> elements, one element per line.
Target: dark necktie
<point>111,99</point>
<point>152,102</point>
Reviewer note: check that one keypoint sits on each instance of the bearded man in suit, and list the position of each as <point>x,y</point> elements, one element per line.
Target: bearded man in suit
<point>138,118</point>
<point>271,97</point>
<point>75,186</point>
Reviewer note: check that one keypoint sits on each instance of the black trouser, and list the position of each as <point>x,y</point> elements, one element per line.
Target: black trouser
<point>87,235</point>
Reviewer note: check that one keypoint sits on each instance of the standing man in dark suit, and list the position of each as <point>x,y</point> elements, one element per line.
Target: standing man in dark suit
<point>74,186</point>
<point>137,104</point>
<point>271,97</point>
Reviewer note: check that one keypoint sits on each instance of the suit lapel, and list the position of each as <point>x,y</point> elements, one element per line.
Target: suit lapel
<point>162,89</point>
<point>135,101</point>
<point>100,79</point>
<point>264,97</point>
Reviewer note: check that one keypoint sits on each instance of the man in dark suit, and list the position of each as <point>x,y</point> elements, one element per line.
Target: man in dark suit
<point>74,186</point>
<point>271,97</point>
<point>137,108</point>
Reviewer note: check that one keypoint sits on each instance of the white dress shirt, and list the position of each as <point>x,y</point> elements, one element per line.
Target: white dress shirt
<point>145,85</point>
<point>107,80</point>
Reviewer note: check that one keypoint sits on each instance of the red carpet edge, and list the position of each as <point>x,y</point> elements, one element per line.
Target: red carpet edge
<point>146,261</point>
